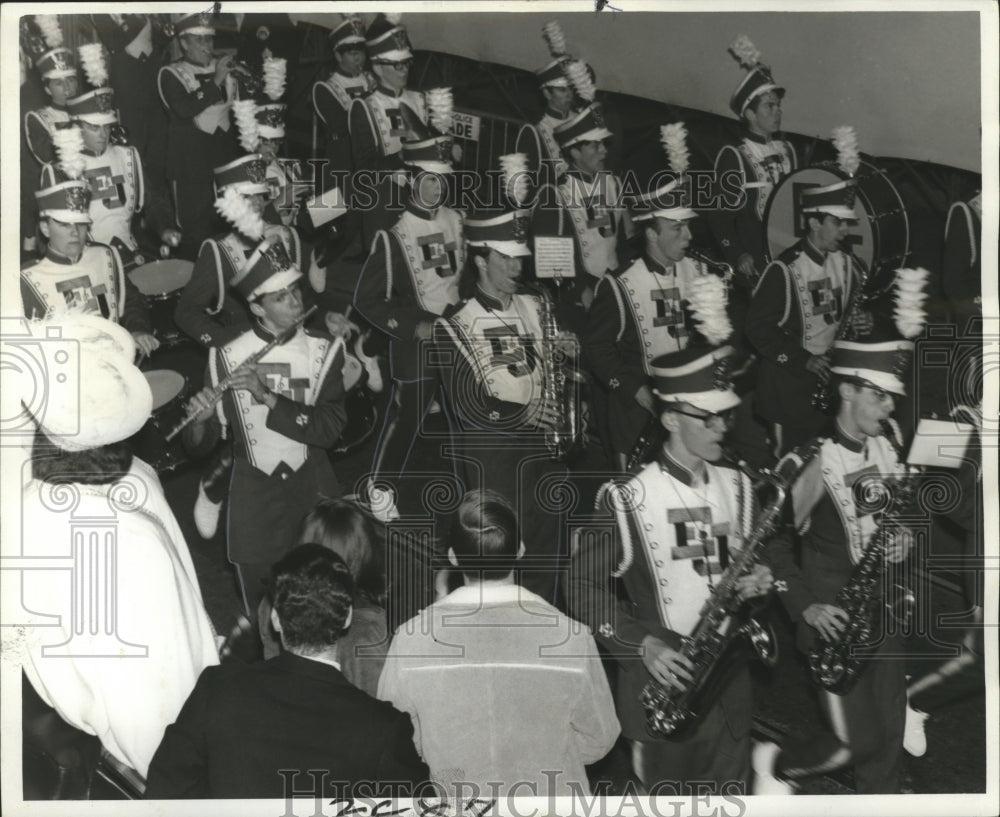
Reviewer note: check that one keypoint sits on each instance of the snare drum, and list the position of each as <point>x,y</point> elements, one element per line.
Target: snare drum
<point>170,391</point>
<point>161,282</point>
<point>882,236</point>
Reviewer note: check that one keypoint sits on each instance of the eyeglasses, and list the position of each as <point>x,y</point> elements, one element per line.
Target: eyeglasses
<point>401,65</point>
<point>726,417</point>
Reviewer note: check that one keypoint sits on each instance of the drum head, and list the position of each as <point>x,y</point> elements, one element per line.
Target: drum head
<point>783,220</point>
<point>161,277</point>
<point>166,385</point>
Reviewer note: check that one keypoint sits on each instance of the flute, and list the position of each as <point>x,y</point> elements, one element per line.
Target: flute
<point>219,389</point>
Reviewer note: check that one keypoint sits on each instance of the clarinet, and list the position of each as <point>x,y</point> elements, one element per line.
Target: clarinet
<point>226,382</point>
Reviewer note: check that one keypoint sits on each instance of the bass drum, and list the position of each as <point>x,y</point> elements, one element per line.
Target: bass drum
<point>881,237</point>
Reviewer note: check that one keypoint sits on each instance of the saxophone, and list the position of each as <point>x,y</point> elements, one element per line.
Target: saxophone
<point>837,666</point>
<point>822,395</point>
<point>723,617</point>
<point>559,384</point>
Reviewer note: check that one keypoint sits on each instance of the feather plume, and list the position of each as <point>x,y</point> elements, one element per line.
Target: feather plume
<point>69,146</point>
<point>275,69</point>
<point>554,39</point>
<point>745,51</point>
<point>235,209</point>
<point>393,18</point>
<point>845,140</point>
<point>92,60</point>
<point>514,172</point>
<point>48,24</point>
<point>910,297</point>
<point>244,112</point>
<point>674,139</point>
<point>578,74</point>
<point>440,109</point>
<point>707,299</point>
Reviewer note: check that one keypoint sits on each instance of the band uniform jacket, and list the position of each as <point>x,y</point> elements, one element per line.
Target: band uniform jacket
<point>207,310</point>
<point>332,99</point>
<point>38,127</point>
<point>794,313</point>
<point>379,122</point>
<point>411,275</point>
<point>95,284</point>
<point>758,165</point>
<point>835,529</point>
<point>961,270</point>
<point>280,463</point>
<point>538,143</point>
<point>117,194</point>
<point>245,723</point>
<point>671,542</point>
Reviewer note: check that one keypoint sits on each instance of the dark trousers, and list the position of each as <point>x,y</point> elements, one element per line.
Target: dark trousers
<point>408,405</point>
<point>867,726</point>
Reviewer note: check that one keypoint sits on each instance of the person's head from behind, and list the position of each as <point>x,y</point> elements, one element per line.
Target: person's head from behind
<point>353,534</point>
<point>313,592</point>
<point>485,539</point>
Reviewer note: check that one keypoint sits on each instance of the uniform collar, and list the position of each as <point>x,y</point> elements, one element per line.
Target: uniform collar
<point>264,334</point>
<point>388,91</point>
<point>552,113</point>
<point>657,267</point>
<point>681,473</point>
<point>342,75</point>
<point>421,212</point>
<point>848,441</point>
<point>810,249</point>
<point>489,301</point>
<point>756,137</point>
<point>59,258</point>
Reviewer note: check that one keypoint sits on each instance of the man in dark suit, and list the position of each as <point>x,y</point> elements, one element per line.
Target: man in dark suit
<point>293,725</point>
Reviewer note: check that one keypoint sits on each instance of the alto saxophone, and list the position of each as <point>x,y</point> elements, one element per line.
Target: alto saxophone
<point>837,665</point>
<point>822,395</point>
<point>724,618</point>
<point>564,439</point>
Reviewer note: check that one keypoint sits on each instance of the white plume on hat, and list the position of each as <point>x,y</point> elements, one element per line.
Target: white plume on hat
<point>579,76</point>
<point>275,70</point>
<point>393,17</point>
<point>440,109</point>
<point>845,140</point>
<point>745,51</point>
<point>910,297</point>
<point>553,34</point>
<point>69,146</point>
<point>94,66</point>
<point>514,172</point>
<point>235,209</point>
<point>674,140</point>
<point>245,114</point>
<point>48,24</point>
<point>707,300</point>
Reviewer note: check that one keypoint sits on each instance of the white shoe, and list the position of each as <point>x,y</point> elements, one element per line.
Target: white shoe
<point>914,738</point>
<point>206,514</point>
<point>762,760</point>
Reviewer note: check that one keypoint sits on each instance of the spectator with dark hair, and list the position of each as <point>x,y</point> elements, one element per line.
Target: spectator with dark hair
<point>349,531</point>
<point>524,681</point>
<point>295,712</point>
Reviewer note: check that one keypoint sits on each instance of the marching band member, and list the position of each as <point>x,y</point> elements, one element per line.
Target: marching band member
<point>868,720</point>
<point>206,311</point>
<point>380,121</point>
<point>585,204</point>
<point>284,412</point>
<point>759,162</point>
<point>75,274</point>
<point>796,311</point>
<point>639,314</point>
<point>198,91</point>
<point>497,368</point>
<point>681,520</point>
<point>408,281</point>
<point>115,174</point>
<point>57,68</point>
